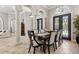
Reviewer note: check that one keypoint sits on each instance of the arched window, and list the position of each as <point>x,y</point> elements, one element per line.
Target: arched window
<point>1,24</point>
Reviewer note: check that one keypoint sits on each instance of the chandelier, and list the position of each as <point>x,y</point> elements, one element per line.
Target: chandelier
<point>62,10</point>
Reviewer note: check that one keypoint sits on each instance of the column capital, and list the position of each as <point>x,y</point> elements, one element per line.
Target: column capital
<point>18,8</point>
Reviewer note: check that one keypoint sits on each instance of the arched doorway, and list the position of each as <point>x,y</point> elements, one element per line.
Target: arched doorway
<point>25,21</point>
<point>1,24</point>
<point>22,28</point>
<point>41,19</point>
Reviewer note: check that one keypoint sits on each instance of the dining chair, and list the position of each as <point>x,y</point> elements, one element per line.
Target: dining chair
<point>34,42</point>
<point>35,31</point>
<point>42,30</point>
<point>58,39</point>
<point>61,36</point>
<point>51,40</point>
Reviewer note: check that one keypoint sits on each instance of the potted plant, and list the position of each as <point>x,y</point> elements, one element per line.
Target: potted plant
<point>76,25</point>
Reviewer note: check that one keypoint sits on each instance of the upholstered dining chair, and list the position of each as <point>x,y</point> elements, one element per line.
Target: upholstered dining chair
<point>51,40</point>
<point>59,38</point>
<point>34,42</point>
<point>35,31</point>
<point>42,30</point>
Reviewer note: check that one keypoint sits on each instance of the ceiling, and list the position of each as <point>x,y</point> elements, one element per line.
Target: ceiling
<point>49,6</point>
<point>11,8</point>
<point>6,8</point>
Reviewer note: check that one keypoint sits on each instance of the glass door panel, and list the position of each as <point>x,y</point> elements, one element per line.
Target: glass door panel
<point>57,23</point>
<point>65,26</point>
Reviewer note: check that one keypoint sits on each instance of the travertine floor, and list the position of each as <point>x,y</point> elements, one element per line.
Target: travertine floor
<point>10,46</point>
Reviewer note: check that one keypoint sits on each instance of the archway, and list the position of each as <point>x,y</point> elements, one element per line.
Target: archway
<point>25,20</point>
<point>41,14</point>
<point>1,24</point>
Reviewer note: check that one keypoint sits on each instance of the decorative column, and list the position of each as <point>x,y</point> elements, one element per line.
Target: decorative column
<point>17,22</point>
<point>30,22</point>
<point>27,22</point>
<point>9,26</point>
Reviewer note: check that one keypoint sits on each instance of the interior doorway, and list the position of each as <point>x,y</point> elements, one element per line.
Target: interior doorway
<point>39,24</point>
<point>22,28</point>
<point>63,22</point>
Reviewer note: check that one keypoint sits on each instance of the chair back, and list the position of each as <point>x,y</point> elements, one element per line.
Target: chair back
<point>58,35</point>
<point>35,31</point>
<point>33,39</point>
<point>61,34</point>
<point>30,35</point>
<point>53,37</point>
<point>42,30</point>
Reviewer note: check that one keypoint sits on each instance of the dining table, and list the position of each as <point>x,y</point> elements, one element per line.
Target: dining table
<point>43,36</point>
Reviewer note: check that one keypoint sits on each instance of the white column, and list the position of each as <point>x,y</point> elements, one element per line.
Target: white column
<point>43,22</point>
<point>25,22</point>
<point>31,20</point>
<point>17,22</point>
<point>26,17</point>
<point>9,25</point>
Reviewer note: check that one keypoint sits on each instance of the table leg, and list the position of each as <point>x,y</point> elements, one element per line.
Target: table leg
<point>44,47</point>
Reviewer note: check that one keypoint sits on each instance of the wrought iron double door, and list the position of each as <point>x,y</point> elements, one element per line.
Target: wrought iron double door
<point>63,22</point>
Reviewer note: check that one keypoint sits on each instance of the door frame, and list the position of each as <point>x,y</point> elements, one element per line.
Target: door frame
<point>38,23</point>
<point>60,23</point>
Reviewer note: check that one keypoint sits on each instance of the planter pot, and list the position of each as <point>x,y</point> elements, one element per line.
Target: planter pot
<point>77,39</point>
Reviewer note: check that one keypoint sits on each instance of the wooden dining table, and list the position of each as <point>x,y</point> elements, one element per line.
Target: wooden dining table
<point>42,36</point>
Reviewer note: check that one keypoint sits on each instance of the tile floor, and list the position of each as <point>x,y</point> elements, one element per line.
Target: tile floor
<point>10,46</point>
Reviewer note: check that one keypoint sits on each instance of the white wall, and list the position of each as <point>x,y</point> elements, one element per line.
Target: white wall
<point>4,17</point>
